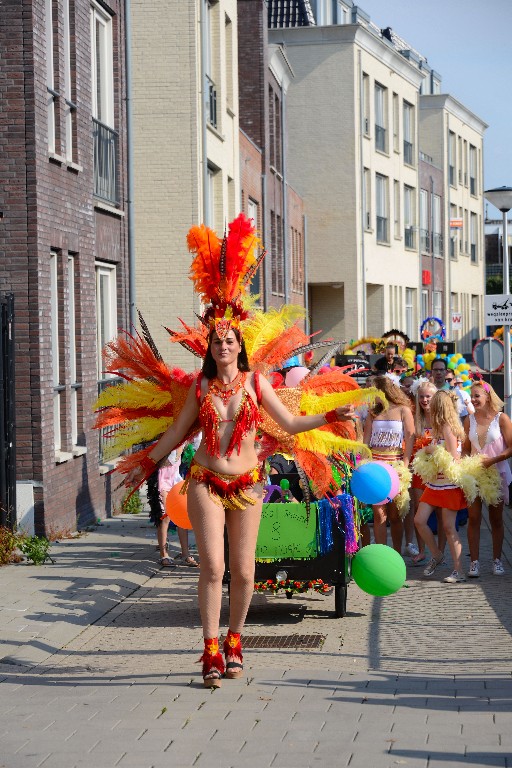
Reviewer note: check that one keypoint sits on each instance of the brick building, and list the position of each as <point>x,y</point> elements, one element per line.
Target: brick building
<point>63,242</point>
<point>264,76</point>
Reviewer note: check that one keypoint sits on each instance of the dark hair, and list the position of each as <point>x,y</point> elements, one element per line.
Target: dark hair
<point>209,368</point>
<point>399,361</point>
<point>441,360</point>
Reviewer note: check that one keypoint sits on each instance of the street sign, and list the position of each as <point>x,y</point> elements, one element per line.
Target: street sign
<point>498,309</point>
<point>489,354</point>
<point>456,321</point>
<point>456,223</point>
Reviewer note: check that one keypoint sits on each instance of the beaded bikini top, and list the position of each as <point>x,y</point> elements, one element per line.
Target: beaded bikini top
<point>246,418</point>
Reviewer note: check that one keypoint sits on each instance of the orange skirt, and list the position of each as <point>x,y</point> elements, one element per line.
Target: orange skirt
<point>450,498</point>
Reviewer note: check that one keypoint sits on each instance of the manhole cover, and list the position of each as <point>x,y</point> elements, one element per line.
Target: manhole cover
<point>283,641</point>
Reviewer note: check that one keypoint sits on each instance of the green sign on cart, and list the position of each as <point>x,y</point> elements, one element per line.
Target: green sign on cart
<point>287,533</point>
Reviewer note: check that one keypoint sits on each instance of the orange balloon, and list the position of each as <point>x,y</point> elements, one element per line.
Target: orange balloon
<point>176,507</point>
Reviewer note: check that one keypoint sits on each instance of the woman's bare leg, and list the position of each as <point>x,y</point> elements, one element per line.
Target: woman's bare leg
<point>243,526</point>
<point>474,524</point>
<point>183,538</point>
<point>396,527</point>
<point>380,533</point>
<point>161,535</point>
<point>421,521</point>
<point>497,530</point>
<point>452,536</point>
<point>207,518</point>
<point>415,500</point>
<point>441,535</point>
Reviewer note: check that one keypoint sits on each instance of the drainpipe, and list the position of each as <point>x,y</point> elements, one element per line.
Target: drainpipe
<point>432,241</point>
<point>129,161</point>
<point>202,116</point>
<point>363,212</point>
<point>306,276</point>
<point>285,199</point>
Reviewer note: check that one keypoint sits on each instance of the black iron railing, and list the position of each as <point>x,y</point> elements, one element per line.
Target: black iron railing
<point>212,102</point>
<point>106,153</point>
<point>409,237</point>
<point>424,241</point>
<point>437,244</point>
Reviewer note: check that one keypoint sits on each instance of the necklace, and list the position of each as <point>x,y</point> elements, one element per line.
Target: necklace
<point>226,391</point>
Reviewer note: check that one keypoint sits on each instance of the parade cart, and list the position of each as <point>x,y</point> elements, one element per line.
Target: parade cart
<point>299,550</point>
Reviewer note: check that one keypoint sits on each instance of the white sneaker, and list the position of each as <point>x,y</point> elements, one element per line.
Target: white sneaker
<point>412,550</point>
<point>454,578</point>
<point>497,567</point>
<point>431,567</point>
<point>474,569</point>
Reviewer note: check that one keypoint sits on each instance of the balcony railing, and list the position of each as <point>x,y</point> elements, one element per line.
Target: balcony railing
<point>408,147</point>
<point>437,244</point>
<point>452,247</point>
<point>424,241</point>
<point>472,185</point>
<point>382,229</point>
<point>106,153</point>
<point>212,102</point>
<point>380,138</point>
<point>452,175</point>
<point>473,252</point>
<point>409,237</point>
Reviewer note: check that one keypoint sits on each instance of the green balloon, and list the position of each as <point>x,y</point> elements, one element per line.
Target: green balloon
<point>378,570</point>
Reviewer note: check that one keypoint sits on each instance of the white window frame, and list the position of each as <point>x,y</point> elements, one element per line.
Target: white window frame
<point>382,203</point>
<point>381,114</point>
<point>409,312</point>
<point>437,298</point>
<point>50,76</point>
<point>408,121</point>
<point>103,111</point>
<point>68,111</point>
<point>55,351</point>
<point>73,397</point>
<point>396,122</point>
<point>436,225</point>
<point>366,104</point>
<point>396,210</point>
<point>424,223</point>
<point>367,198</point>
<point>106,322</point>
<point>409,215</point>
<point>425,310</point>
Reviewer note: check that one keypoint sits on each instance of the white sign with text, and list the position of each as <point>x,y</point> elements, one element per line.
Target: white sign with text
<point>498,309</point>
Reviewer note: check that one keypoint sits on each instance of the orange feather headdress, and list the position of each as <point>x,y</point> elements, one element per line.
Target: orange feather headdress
<point>222,271</point>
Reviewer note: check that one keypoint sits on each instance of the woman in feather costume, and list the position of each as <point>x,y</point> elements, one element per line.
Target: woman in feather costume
<point>230,403</point>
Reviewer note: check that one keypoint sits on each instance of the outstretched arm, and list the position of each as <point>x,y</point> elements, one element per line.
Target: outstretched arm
<point>295,424</point>
<point>171,438</point>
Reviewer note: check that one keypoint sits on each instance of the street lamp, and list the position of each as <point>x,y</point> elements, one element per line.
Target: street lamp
<point>501,198</point>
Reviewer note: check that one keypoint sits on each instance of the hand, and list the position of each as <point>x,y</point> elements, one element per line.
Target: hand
<point>487,461</point>
<point>134,477</point>
<point>429,449</point>
<point>345,413</point>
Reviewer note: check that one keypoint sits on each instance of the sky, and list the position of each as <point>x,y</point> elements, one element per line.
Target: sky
<point>469,43</point>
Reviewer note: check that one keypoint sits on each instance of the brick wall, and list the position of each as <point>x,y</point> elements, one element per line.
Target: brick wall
<point>48,206</point>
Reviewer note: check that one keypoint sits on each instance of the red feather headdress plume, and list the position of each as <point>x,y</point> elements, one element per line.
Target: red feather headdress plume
<point>222,269</point>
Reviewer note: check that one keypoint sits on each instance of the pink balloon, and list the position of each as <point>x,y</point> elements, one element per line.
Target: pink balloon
<point>295,375</point>
<point>395,480</point>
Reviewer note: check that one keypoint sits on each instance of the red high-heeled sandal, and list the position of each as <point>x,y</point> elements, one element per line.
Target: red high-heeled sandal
<point>233,648</point>
<point>213,663</point>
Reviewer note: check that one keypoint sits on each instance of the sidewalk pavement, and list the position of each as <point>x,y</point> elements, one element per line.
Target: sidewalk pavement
<point>98,668</point>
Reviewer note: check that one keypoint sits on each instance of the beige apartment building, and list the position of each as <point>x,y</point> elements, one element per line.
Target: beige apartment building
<point>353,156</point>
<point>186,148</point>
<point>453,136</point>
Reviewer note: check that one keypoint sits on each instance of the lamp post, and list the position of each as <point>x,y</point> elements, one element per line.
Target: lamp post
<point>501,198</point>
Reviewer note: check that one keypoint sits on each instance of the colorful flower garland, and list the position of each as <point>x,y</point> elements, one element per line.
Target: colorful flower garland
<point>425,335</point>
<point>290,585</point>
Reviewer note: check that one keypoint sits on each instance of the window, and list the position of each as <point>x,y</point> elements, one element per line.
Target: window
<point>275,129</point>
<point>461,231</point>
<point>465,161</point>
<point>297,261</point>
<point>396,122</point>
<point>424,305</point>
<point>396,209</point>
<point>277,264</point>
<point>466,231</point>
<point>381,203</point>
<point>72,324</point>
<point>472,170</point>
<point>55,349</point>
<point>380,118</point>
<point>106,310</point>
<point>451,158</point>
<point>105,138</point>
<point>367,199</point>
<point>253,213</point>
<point>70,108</point>
<point>424,224</point>
<point>453,233</point>
<point>408,133</point>
<point>211,174</point>
<point>459,140</point>
<point>409,217</point>
<point>475,324</point>
<point>473,238</point>
<point>52,94</point>
<point>438,304</point>
<point>409,312</point>
<point>324,13</point>
<point>437,238</point>
<point>366,104</point>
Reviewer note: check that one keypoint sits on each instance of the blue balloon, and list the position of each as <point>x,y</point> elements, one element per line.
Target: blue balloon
<point>370,483</point>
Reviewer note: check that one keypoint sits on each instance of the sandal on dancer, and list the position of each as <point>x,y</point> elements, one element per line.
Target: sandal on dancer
<point>233,650</point>
<point>166,562</point>
<point>213,663</point>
